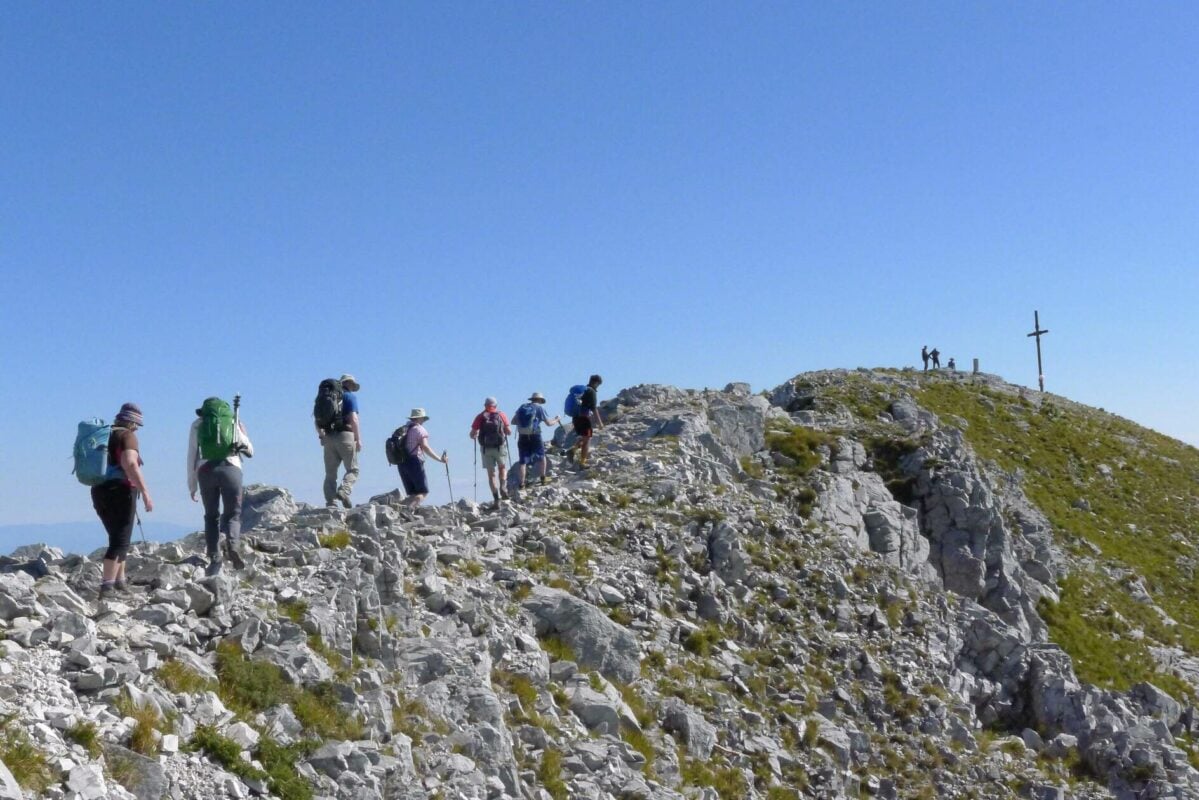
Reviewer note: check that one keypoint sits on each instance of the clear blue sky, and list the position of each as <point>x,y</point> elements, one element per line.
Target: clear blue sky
<point>459,199</point>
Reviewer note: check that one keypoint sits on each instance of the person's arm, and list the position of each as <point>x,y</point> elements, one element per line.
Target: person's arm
<point>133,471</point>
<point>507,426</point>
<point>474,426</point>
<point>598,418</point>
<point>193,482</point>
<point>444,458</point>
<point>244,446</point>
<point>352,420</point>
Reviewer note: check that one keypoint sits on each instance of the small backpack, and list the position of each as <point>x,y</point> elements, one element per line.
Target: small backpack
<point>491,430</point>
<point>91,451</point>
<point>524,416</point>
<point>397,446</point>
<point>217,434</point>
<point>574,401</point>
<point>326,409</point>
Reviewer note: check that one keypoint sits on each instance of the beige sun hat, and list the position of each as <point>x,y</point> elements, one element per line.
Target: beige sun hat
<point>418,414</point>
<point>537,397</point>
<point>349,382</point>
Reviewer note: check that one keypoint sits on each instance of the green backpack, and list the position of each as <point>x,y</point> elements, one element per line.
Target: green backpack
<point>216,435</point>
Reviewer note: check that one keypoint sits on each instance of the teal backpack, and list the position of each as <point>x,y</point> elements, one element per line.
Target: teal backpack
<point>91,451</point>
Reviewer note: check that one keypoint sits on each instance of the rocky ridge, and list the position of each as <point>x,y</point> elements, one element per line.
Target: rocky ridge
<point>794,594</point>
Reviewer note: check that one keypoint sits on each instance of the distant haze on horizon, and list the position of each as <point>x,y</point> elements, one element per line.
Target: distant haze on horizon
<point>452,201</point>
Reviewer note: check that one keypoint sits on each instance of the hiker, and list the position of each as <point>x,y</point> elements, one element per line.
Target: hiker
<point>215,445</point>
<point>491,430</point>
<point>412,469</point>
<point>529,446</point>
<point>953,367</point>
<point>924,356</point>
<point>115,500</point>
<point>335,414</point>
<point>936,356</point>
<point>582,406</point>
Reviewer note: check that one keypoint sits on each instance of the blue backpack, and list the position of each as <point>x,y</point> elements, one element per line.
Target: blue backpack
<point>574,401</point>
<point>524,415</point>
<point>91,451</point>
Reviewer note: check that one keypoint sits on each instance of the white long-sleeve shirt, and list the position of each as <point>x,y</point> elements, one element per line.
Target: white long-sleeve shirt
<point>194,460</point>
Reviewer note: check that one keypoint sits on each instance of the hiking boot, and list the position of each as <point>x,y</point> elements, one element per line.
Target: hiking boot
<point>121,585</point>
<point>233,553</point>
<point>570,455</point>
<point>345,499</point>
<point>504,493</point>
<point>544,480</point>
<point>213,568</point>
<point>107,590</point>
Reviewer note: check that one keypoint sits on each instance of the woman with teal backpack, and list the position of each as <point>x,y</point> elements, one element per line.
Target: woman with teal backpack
<point>115,499</point>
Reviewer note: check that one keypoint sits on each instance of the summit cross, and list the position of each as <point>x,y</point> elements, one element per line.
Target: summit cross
<point>1038,333</point>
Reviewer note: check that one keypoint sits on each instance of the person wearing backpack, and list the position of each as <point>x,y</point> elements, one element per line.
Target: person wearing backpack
<point>215,445</point>
<point>582,410</point>
<point>529,445</point>
<point>491,430</point>
<point>412,466</point>
<point>115,499</point>
<point>335,414</point>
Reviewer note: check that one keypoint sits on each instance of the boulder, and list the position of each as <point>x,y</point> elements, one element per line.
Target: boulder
<point>596,640</point>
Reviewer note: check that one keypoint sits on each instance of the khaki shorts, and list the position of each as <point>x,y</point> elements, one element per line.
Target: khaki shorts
<point>494,456</point>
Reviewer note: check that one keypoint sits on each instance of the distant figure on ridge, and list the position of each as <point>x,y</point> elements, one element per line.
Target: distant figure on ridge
<point>215,445</point>
<point>412,468</point>
<point>581,405</point>
<point>530,448</point>
<point>115,500</point>
<point>490,429</point>
<point>924,356</point>
<point>953,367</point>
<point>335,414</point>
<point>936,356</point>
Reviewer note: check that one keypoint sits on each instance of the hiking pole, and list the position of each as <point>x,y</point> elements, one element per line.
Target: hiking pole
<point>476,451</point>
<point>449,485</point>
<point>138,517</point>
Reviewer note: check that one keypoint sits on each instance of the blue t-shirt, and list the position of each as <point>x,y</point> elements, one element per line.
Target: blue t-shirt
<point>349,405</point>
<point>534,422</point>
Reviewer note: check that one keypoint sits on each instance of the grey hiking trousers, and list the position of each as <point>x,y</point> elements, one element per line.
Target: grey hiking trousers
<point>220,484</point>
<point>339,451</point>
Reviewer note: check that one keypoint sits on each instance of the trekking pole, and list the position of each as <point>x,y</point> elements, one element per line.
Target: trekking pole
<point>449,485</point>
<point>476,451</point>
<point>138,517</point>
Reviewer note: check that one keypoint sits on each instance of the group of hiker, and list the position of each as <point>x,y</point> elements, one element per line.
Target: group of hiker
<point>935,356</point>
<point>107,458</point>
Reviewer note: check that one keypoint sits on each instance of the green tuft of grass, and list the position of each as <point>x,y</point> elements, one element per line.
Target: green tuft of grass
<point>549,775</point>
<point>702,640</point>
<point>336,540</point>
<point>640,742</point>
<point>182,679</point>
<point>728,781</point>
<point>85,734</point>
<point>24,760</point>
<point>557,648</point>
<point>800,444</point>
<point>148,724</point>
<point>294,609</point>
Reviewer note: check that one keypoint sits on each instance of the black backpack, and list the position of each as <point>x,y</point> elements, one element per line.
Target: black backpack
<point>326,409</point>
<point>397,446</point>
<point>491,430</point>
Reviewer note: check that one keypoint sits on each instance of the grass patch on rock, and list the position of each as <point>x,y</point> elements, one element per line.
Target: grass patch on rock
<point>24,760</point>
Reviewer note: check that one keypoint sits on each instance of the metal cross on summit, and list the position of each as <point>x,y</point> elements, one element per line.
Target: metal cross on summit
<point>1037,332</point>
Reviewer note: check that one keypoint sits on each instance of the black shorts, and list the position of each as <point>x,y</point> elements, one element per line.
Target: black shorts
<point>412,475</point>
<point>582,426</point>
<point>116,505</point>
